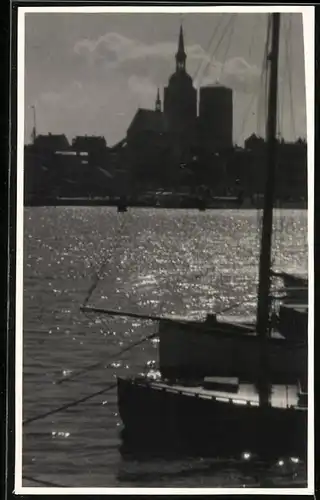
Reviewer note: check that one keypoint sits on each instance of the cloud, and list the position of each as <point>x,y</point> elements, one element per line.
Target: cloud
<point>68,95</point>
<point>156,61</point>
<point>141,85</point>
<point>50,97</point>
<point>236,73</point>
<point>116,48</point>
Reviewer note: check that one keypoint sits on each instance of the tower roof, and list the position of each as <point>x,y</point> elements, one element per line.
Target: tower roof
<point>181,55</point>
<point>181,42</point>
<point>158,101</point>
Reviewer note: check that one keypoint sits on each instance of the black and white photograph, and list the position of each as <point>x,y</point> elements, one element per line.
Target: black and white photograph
<point>164,339</point>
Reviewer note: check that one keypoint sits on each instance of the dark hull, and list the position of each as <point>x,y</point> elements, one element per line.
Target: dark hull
<point>290,280</point>
<point>158,420</point>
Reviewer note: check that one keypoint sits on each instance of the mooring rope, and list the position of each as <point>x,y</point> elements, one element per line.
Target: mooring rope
<point>44,483</point>
<point>100,363</point>
<point>98,273</point>
<point>70,404</point>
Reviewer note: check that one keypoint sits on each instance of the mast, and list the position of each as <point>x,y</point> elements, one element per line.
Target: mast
<point>263,324</point>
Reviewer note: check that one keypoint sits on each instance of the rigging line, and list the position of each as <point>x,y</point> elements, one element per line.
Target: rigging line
<point>287,72</point>
<point>44,483</point>
<point>263,102</point>
<point>218,45</point>
<point>253,36</point>
<point>245,118</point>
<point>100,363</point>
<point>276,224</point>
<point>231,33</point>
<point>70,404</point>
<point>97,276</point>
<point>264,78</point>
<point>288,56</point>
<point>148,317</point>
<point>266,90</point>
<point>196,74</point>
<point>287,75</point>
<point>131,346</point>
<point>254,95</point>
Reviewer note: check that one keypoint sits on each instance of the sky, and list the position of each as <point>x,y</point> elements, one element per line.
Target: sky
<point>89,73</point>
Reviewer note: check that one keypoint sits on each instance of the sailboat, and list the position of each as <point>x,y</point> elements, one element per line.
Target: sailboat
<point>245,410</point>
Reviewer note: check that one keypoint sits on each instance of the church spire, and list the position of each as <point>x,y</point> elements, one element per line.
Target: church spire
<point>181,55</point>
<point>158,101</point>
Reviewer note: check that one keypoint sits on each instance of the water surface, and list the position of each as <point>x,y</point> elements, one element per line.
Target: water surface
<point>162,262</point>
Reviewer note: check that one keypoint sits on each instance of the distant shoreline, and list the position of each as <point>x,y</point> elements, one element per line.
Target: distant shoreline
<point>228,205</point>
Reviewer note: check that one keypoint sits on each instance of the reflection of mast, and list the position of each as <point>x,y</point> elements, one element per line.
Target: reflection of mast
<point>34,128</point>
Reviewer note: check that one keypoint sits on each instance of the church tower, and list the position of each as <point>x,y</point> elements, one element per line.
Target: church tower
<point>180,99</point>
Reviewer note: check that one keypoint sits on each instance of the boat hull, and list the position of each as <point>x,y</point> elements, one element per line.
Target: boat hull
<point>162,420</point>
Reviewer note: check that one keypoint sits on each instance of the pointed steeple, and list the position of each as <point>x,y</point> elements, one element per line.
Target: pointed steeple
<point>158,101</point>
<point>181,55</point>
<point>181,41</point>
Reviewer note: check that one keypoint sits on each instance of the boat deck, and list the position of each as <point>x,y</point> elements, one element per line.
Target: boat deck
<point>301,308</point>
<point>283,396</point>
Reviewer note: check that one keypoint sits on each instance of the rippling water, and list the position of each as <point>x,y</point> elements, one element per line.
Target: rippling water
<point>156,261</point>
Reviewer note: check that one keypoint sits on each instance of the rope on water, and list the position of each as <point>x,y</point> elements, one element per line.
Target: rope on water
<point>100,363</point>
<point>44,483</point>
<point>98,273</point>
<point>69,405</point>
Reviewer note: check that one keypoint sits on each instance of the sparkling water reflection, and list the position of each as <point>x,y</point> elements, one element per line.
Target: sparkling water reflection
<point>184,263</point>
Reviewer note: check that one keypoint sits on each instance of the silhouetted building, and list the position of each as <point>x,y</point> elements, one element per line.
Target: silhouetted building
<point>180,100</point>
<point>166,147</point>
<point>89,143</point>
<point>254,143</point>
<point>145,123</point>
<point>145,136</point>
<point>51,142</point>
<point>216,117</point>
<point>292,170</point>
<point>94,148</point>
<point>149,146</point>
<point>291,166</point>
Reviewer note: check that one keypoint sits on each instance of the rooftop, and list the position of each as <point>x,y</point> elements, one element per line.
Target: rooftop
<point>147,120</point>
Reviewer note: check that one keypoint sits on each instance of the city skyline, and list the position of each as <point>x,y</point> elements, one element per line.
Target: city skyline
<point>89,73</point>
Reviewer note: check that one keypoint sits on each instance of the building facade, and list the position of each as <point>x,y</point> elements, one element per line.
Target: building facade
<point>216,118</point>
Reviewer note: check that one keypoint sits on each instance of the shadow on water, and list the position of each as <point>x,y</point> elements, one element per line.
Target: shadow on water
<point>248,470</point>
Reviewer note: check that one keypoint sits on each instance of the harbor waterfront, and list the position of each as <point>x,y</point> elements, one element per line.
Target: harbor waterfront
<point>159,261</point>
